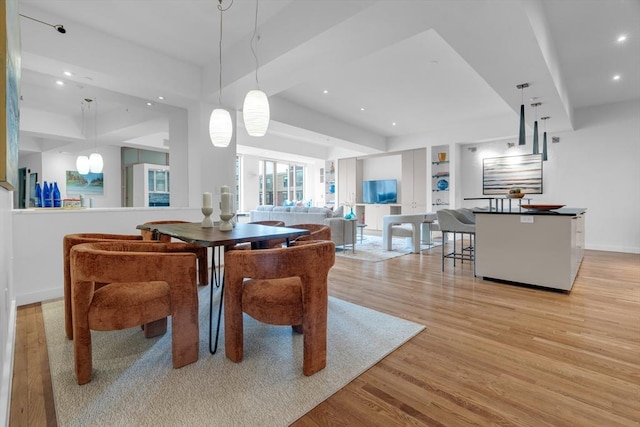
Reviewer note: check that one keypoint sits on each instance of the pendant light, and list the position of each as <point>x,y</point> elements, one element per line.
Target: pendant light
<point>82,165</point>
<point>95,159</point>
<point>255,109</point>
<point>220,126</point>
<point>544,139</point>
<point>82,162</point>
<point>94,163</point>
<point>536,150</point>
<point>521,135</point>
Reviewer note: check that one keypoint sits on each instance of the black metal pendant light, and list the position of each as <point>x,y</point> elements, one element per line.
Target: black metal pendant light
<point>521,135</point>
<point>544,138</point>
<point>536,149</point>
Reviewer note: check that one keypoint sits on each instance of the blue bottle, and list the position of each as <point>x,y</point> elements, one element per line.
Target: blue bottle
<point>57,201</point>
<point>46,196</point>
<point>38,201</point>
<point>51,194</point>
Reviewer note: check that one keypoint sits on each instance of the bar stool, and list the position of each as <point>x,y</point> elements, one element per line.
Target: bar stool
<point>451,222</point>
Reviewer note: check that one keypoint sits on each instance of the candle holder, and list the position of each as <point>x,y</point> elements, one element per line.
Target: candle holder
<point>225,221</point>
<point>207,222</point>
<point>226,209</point>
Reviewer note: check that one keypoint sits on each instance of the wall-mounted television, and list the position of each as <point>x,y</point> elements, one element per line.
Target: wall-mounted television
<point>380,191</point>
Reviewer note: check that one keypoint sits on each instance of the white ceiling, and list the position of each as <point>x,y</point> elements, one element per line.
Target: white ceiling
<point>428,66</point>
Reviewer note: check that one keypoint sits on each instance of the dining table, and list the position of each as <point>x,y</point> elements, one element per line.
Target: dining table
<point>214,238</point>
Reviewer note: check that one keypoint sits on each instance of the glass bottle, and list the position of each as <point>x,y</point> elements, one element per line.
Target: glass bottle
<point>38,201</point>
<point>51,194</point>
<point>46,196</point>
<point>57,201</point>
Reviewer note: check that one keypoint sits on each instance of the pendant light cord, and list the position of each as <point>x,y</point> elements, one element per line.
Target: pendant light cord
<point>257,39</point>
<point>95,122</point>
<point>221,9</point>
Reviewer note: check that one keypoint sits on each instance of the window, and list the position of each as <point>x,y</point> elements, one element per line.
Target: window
<point>280,182</point>
<point>238,183</point>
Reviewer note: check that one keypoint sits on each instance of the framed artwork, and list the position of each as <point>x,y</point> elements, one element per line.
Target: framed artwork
<point>91,184</point>
<point>499,174</point>
<point>10,82</point>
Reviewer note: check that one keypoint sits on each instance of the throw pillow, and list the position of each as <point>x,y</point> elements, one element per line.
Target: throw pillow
<point>338,213</point>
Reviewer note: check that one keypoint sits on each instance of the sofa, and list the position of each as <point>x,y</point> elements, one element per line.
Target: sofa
<point>342,230</point>
<point>291,215</point>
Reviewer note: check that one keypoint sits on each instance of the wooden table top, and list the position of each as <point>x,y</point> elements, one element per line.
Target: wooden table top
<point>241,233</point>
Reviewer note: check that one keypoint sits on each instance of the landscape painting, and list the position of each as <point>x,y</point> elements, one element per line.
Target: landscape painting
<point>10,94</point>
<point>91,184</point>
<point>500,174</point>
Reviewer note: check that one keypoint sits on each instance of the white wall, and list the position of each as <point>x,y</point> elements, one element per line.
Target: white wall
<point>38,234</point>
<point>52,166</point>
<point>382,167</point>
<point>7,303</point>
<point>250,182</point>
<point>597,167</point>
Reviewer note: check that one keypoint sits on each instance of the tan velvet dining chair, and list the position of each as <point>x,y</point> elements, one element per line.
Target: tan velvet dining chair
<point>200,251</point>
<point>316,232</point>
<point>267,244</point>
<point>68,242</point>
<point>280,286</point>
<point>142,284</point>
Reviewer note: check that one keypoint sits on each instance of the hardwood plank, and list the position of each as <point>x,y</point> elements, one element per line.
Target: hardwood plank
<point>491,354</point>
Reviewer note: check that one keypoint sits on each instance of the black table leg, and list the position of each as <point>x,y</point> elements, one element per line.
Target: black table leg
<point>217,277</point>
<point>214,348</point>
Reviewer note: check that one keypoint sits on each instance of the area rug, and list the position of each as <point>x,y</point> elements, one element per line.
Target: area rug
<point>134,382</point>
<point>371,249</point>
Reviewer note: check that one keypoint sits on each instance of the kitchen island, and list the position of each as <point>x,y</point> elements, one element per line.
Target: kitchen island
<point>533,247</point>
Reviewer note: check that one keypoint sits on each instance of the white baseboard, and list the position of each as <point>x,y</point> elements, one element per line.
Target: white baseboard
<point>39,296</point>
<point>609,248</point>
<point>6,374</point>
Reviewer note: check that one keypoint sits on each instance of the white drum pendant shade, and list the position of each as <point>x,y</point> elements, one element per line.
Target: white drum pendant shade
<point>95,163</point>
<point>256,112</point>
<point>82,165</point>
<point>220,128</point>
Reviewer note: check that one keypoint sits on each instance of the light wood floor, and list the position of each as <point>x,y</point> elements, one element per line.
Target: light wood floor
<point>491,354</point>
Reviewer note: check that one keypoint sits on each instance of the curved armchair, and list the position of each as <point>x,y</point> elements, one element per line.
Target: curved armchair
<point>286,286</point>
<point>316,232</point>
<point>200,251</point>
<point>144,283</point>
<point>69,241</point>
<point>454,222</point>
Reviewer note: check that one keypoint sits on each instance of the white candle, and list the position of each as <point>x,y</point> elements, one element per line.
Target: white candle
<point>206,200</point>
<point>226,203</point>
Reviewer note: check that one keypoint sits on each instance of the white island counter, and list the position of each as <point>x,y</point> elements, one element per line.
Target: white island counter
<point>542,248</point>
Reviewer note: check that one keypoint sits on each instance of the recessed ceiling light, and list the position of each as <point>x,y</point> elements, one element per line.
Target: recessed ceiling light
<point>59,82</point>
<point>161,97</point>
<point>68,73</point>
<point>393,124</point>
<point>325,91</point>
<point>621,38</point>
<point>149,104</point>
<point>361,108</point>
<point>616,77</point>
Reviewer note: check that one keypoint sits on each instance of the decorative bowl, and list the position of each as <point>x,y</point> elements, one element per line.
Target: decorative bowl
<point>442,184</point>
<point>515,195</point>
